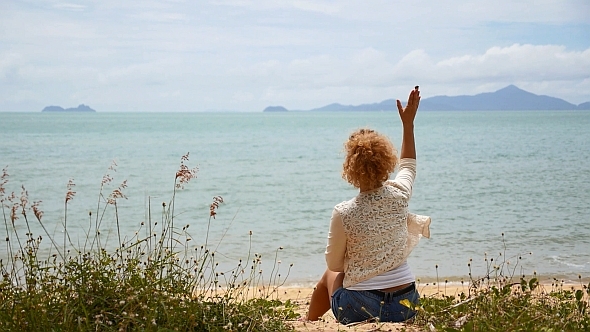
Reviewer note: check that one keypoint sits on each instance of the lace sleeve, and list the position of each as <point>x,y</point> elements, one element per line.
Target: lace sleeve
<point>418,225</point>
<point>404,180</point>
<point>336,248</point>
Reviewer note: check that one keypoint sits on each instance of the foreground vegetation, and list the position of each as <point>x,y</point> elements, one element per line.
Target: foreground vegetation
<point>520,307</point>
<point>505,301</point>
<point>151,283</point>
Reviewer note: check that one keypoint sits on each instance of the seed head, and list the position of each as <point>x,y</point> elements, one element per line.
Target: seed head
<point>184,174</point>
<point>36,211</point>
<point>70,193</point>
<point>213,207</point>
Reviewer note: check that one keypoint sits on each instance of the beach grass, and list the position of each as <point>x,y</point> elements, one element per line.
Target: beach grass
<point>153,283</point>
<point>524,306</point>
<point>505,300</point>
<point>496,301</point>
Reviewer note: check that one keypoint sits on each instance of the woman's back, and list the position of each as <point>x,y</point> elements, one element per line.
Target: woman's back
<point>375,224</point>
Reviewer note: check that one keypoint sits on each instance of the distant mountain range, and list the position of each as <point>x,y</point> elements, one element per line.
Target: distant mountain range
<point>80,108</point>
<point>510,98</point>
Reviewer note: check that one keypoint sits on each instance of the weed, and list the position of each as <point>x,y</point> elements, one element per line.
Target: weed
<point>151,283</point>
<point>501,300</point>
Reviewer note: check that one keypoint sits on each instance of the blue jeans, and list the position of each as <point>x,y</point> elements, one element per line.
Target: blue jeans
<point>350,306</point>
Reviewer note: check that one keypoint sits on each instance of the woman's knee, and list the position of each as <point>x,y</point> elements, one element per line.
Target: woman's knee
<point>332,281</point>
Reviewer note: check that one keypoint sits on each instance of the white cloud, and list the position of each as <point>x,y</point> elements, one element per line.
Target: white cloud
<point>329,8</point>
<point>248,54</point>
<point>538,67</point>
<point>518,62</point>
<point>365,76</point>
<point>9,63</point>
<point>370,67</point>
<point>157,16</point>
<point>456,12</point>
<point>324,7</point>
<point>69,6</point>
<point>241,97</point>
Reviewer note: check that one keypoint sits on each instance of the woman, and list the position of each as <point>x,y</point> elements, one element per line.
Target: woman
<point>372,234</point>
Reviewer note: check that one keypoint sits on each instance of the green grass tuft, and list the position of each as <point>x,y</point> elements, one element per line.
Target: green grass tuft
<point>503,301</point>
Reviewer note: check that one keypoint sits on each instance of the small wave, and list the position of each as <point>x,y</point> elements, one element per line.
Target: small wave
<point>560,260</point>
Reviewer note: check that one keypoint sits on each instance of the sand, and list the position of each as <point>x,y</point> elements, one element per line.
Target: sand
<point>301,297</point>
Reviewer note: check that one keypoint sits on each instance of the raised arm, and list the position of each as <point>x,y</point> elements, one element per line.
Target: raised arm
<point>407,115</point>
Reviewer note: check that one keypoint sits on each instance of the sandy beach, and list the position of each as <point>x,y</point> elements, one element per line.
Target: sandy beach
<point>302,295</point>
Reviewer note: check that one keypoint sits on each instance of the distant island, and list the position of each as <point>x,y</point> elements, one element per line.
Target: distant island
<point>275,109</point>
<point>510,98</point>
<point>80,108</point>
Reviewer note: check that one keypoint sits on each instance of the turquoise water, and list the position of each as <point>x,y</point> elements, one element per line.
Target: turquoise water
<point>480,174</point>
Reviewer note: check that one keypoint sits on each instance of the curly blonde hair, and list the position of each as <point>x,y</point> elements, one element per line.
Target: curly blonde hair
<point>370,158</point>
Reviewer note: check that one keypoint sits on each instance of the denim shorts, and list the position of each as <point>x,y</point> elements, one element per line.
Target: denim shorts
<point>350,306</point>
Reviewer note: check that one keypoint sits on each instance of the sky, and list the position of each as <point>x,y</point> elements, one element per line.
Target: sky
<point>245,55</point>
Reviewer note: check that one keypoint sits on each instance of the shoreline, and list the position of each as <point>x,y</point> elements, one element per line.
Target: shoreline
<point>465,280</point>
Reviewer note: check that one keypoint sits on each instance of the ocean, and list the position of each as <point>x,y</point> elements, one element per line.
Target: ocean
<point>512,186</point>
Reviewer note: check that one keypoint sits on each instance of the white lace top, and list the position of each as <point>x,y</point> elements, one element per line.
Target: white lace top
<point>373,233</point>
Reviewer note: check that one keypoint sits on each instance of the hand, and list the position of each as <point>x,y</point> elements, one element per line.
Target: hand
<point>408,113</point>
